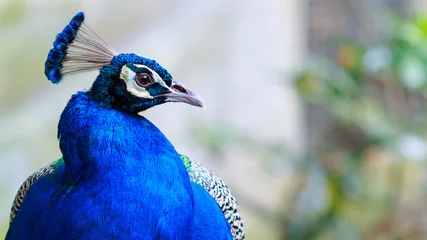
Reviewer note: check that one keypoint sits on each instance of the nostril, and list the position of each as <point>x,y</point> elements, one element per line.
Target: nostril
<point>179,89</point>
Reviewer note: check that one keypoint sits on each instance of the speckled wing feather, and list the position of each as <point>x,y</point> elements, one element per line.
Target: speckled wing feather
<point>20,195</point>
<point>219,191</point>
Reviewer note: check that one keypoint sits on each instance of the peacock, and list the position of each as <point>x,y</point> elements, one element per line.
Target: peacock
<point>119,177</point>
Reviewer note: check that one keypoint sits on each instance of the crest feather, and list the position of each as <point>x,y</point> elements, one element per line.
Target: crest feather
<point>77,49</point>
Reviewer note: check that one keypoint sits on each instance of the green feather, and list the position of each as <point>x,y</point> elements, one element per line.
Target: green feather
<point>186,161</point>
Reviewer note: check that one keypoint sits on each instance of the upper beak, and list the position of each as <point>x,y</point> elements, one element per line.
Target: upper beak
<point>180,93</point>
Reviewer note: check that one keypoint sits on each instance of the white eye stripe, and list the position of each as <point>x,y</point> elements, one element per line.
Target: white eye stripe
<point>156,76</point>
<point>127,75</point>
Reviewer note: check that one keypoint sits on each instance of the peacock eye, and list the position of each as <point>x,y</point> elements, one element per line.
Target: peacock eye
<point>143,79</point>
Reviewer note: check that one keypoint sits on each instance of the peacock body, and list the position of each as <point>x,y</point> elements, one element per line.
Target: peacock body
<point>119,176</point>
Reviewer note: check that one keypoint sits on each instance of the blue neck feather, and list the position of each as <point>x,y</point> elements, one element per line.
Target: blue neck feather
<point>126,152</point>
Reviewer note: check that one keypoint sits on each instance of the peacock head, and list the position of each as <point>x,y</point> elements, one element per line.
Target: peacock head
<point>126,81</point>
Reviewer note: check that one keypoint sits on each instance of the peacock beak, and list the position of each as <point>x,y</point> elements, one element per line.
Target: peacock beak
<point>180,93</point>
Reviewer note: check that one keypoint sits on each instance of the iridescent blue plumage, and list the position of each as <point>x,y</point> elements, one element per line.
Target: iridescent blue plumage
<point>119,176</point>
<point>53,64</point>
<point>128,183</point>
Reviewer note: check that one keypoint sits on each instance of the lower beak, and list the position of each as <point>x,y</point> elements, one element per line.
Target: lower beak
<point>180,93</point>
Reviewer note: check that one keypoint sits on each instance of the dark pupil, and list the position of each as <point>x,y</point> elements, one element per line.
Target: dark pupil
<point>143,79</point>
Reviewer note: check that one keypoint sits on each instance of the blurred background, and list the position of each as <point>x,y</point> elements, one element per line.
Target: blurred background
<point>316,109</point>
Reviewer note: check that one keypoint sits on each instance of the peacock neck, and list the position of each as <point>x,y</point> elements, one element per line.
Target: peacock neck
<point>124,162</point>
<point>104,143</point>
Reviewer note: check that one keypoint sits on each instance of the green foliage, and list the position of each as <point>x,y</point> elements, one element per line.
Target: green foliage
<point>373,97</point>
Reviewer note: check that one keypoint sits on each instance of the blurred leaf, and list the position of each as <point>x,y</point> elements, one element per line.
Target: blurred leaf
<point>348,57</point>
<point>410,33</point>
<point>421,22</point>
<point>412,72</point>
<point>309,85</point>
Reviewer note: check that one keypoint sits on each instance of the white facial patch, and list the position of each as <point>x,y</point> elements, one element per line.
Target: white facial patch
<point>127,75</point>
<point>156,76</point>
